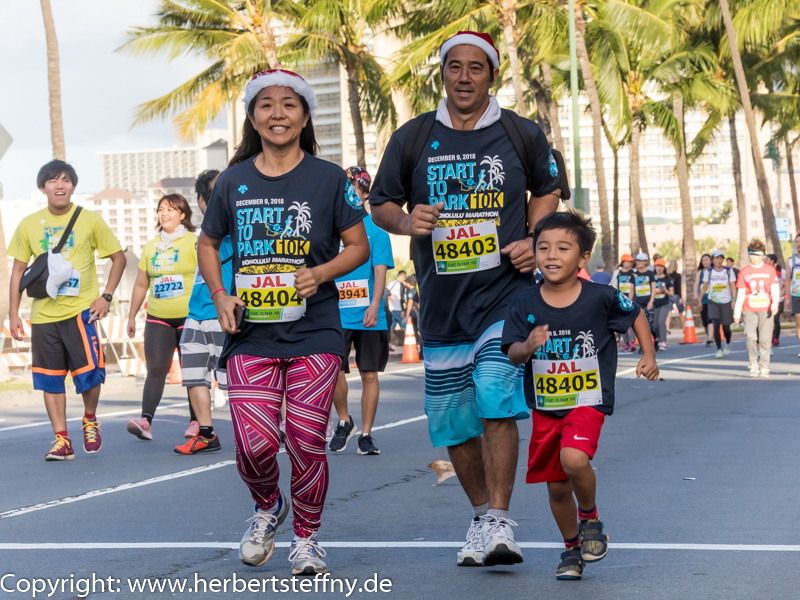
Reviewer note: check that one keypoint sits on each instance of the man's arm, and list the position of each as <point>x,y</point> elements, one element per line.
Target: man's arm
<point>521,251</point>
<point>539,207</point>
<point>14,298</point>
<point>392,218</point>
<point>376,304</point>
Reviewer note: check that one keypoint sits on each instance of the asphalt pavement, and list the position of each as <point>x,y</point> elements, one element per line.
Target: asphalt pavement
<point>697,485</point>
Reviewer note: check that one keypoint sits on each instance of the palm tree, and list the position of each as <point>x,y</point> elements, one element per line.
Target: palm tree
<point>340,31</point>
<point>238,37</point>
<point>767,212</point>
<point>54,83</point>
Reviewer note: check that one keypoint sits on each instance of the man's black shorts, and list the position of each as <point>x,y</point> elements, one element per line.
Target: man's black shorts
<point>372,349</point>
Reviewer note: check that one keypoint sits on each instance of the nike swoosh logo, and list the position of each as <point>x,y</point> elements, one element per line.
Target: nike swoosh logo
<point>580,438</point>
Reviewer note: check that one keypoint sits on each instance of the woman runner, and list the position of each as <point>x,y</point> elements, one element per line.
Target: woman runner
<point>285,211</point>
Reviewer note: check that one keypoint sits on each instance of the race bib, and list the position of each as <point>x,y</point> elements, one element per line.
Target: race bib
<point>353,293</point>
<point>796,283</point>
<point>466,249</point>
<point>642,289</point>
<point>625,287</point>
<point>718,289</point>
<point>72,287</point>
<point>759,301</point>
<point>660,293</point>
<point>168,286</point>
<point>567,384</point>
<point>270,298</point>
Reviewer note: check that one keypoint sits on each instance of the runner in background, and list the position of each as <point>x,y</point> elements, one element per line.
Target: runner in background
<point>166,277</point>
<point>63,326</point>
<point>772,259</point>
<point>792,286</point>
<point>731,264</point>
<point>720,286</point>
<point>622,279</point>
<point>644,292</point>
<point>396,295</point>
<point>676,301</point>
<point>661,305</point>
<point>365,327</point>
<point>600,276</point>
<point>702,301</point>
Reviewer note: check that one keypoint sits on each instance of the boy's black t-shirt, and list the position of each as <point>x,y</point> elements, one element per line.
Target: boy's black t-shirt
<point>481,180</point>
<point>278,225</point>
<point>580,357</point>
<point>641,287</point>
<point>662,285</point>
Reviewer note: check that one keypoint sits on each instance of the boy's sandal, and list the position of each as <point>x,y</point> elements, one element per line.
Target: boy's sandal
<point>571,565</point>
<point>594,543</point>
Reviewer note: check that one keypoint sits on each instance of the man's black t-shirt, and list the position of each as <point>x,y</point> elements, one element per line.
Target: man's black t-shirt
<point>642,291</point>
<point>578,364</point>
<point>466,282</point>
<point>278,225</point>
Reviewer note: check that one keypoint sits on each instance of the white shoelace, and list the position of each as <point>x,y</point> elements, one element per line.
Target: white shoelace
<point>259,523</point>
<point>306,548</point>
<point>475,535</point>
<point>500,527</point>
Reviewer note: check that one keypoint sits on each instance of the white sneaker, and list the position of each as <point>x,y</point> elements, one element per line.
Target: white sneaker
<point>754,370</point>
<point>471,554</point>
<point>719,353</point>
<point>765,373</point>
<point>725,349</point>
<point>306,556</point>
<point>499,547</point>
<point>258,542</point>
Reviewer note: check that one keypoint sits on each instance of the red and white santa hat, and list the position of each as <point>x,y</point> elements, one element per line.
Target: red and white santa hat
<point>283,78</point>
<point>473,38</point>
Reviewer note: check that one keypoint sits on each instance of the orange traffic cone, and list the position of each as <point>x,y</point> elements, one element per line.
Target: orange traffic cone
<point>175,375</point>
<point>410,354</point>
<point>689,333</point>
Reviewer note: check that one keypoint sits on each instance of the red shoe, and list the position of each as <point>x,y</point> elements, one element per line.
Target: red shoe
<point>199,444</point>
<point>92,442</point>
<point>192,431</point>
<point>140,428</point>
<point>62,449</point>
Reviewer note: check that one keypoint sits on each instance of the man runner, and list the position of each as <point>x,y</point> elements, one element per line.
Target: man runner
<point>63,331</point>
<point>365,327</point>
<point>470,219</point>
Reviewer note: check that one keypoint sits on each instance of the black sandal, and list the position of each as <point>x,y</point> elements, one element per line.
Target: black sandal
<point>594,543</point>
<point>571,565</point>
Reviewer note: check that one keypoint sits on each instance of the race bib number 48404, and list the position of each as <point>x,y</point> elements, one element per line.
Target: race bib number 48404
<point>566,384</point>
<point>465,249</point>
<point>270,298</point>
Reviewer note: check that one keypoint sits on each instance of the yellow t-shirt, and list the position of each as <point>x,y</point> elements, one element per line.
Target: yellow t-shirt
<point>40,232</point>
<point>171,276</point>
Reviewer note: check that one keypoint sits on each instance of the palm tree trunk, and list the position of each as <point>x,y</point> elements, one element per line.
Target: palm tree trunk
<point>262,25</point>
<point>767,212</point>
<point>792,183</point>
<point>639,240</point>
<point>597,135</point>
<point>543,112</point>
<point>616,204</point>
<point>354,99</point>
<point>54,83</point>
<point>741,207</point>
<point>552,105</point>
<point>687,220</point>
<point>508,22</point>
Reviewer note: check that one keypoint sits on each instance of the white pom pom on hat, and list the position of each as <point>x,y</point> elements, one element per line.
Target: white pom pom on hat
<point>283,78</point>
<point>473,38</point>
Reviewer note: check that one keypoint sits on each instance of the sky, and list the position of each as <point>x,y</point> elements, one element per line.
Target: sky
<point>99,87</point>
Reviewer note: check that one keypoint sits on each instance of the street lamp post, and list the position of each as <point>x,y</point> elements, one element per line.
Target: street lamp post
<point>576,132</point>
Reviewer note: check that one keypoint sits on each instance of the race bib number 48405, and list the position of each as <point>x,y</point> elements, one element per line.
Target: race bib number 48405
<point>566,384</point>
<point>270,298</point>
<point>466,248</point>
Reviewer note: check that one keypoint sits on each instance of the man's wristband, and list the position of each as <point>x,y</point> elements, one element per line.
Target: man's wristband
<point>222,289</point>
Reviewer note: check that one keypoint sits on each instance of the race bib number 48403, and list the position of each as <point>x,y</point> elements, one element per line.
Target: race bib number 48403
<point>566,384</point>
<point>466,248</point>
<point>270,298</point>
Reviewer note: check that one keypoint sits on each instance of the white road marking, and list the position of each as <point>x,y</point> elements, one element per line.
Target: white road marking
<point>388,544</point>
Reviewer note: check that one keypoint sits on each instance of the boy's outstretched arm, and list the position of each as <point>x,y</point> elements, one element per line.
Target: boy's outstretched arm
<point>647,364</point>
<point>521,352</point>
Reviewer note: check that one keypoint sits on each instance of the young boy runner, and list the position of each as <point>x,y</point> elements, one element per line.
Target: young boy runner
<point>202,338</point>
<point>756,305</point>
<point>562,330</point>
<point>720,284</point>
<point>63,332</point>
<point>623,281</point>
<point>661,303</point>
<point>792,291</point>
<point>644,292</point>
<point>365,327</point>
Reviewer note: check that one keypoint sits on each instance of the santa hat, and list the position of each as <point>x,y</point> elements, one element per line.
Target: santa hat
<point>472,38</point>
<point>283,78</point>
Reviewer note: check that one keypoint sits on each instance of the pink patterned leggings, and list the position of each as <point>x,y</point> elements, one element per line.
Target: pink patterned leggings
<point>256,387</point>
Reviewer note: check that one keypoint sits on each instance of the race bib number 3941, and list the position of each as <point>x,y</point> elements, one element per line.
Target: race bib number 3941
<point>566,384</point>
<point>466,248</point>
<point>353,293</point>
<point>270,298</point>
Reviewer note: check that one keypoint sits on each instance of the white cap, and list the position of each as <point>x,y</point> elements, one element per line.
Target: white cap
<point>283,78</point>
<point>642,256</point>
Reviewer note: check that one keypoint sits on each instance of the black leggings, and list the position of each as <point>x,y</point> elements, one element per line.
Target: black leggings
<point>726,329</point>
<point>161,338</point>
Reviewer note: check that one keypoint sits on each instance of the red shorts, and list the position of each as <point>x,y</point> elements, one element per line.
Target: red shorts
<point>579,429</point>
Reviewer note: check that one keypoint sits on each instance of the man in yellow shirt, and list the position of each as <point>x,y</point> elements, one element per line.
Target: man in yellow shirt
<point>63,332</point>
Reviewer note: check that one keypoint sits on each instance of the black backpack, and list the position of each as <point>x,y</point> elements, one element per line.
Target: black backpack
<point>421,126</point>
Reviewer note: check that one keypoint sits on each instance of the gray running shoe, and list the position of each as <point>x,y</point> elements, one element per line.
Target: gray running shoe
<point>366,445</point>
<point>258,542</point>
<point>341,435</point>
<point>499,547</point>
<point>306,556</point>
<point>471,554</point>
